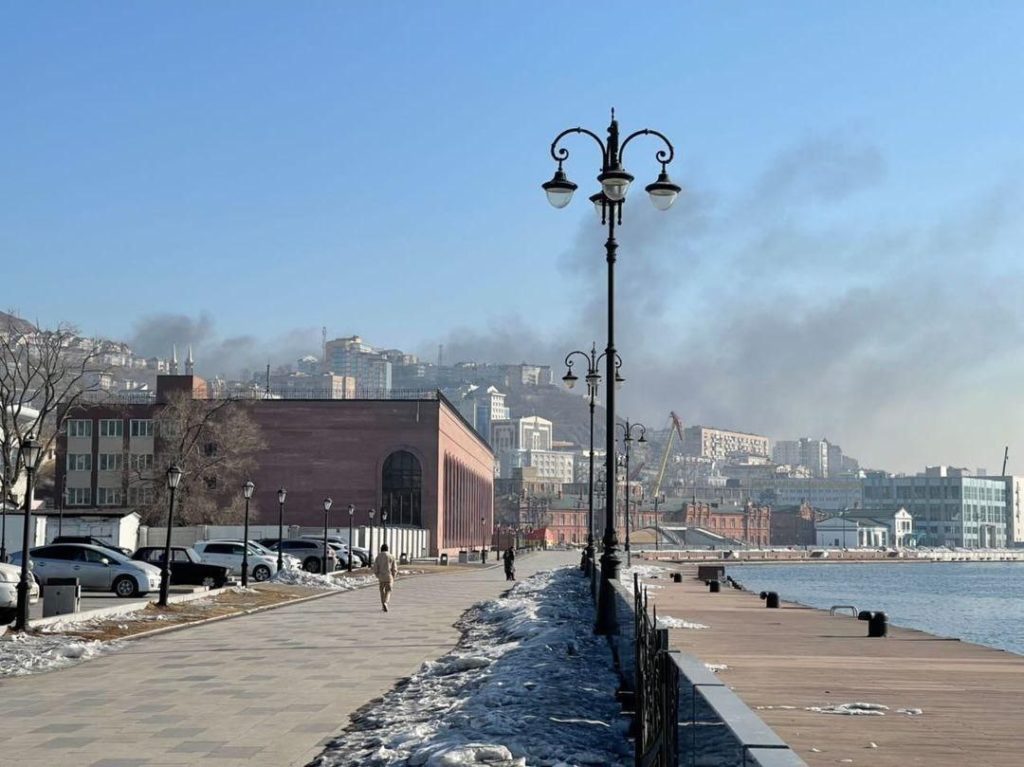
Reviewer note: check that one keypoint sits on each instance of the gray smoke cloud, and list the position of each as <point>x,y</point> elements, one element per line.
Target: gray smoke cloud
<point>791,312</point>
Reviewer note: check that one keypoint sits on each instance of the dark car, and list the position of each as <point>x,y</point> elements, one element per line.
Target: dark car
<point>89,540</point>
<point>187,567</point>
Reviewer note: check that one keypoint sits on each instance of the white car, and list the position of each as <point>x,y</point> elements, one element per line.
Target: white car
<point>229,554</point>
<point>289,562</point>
<point>95,568</point>
<point>10,575</point>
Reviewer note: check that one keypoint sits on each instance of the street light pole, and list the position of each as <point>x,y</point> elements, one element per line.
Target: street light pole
<point>627,431</point>
<point>29,451</point>
<point>351,514</point>
<point>62,499</point>
<point>483,540</point>
<point>327,508</point>
<point>173,478</point>
<point>281,495</point>
<point>3,502</point>
<point>369,546</point>
<point>247,490</point>
<point>615,183</point>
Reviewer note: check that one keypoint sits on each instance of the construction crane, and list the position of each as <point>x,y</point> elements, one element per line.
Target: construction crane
<point>675,427</point>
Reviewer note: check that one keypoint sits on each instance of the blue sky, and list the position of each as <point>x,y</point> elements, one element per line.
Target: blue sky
<point>375,168</point>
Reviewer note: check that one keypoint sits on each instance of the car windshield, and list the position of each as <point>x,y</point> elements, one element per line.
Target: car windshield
<point>193,555</point>
<point>253,546</point>
<point>113,556</point>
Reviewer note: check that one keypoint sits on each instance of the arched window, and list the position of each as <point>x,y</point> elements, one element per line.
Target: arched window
<point>401,485</point>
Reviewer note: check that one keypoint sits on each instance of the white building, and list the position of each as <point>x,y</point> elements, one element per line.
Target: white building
<point>526,442</point>
<point>866,528</point>
<point>826,494</point>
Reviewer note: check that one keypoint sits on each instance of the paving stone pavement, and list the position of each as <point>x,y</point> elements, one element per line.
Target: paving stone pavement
<point>264,690</point>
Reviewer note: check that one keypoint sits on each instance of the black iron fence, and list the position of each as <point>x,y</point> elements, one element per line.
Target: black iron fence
<point>657,688</point>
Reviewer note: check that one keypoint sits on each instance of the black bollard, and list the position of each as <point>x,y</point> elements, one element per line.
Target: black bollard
<point>878,626</point>
<point>714,587</point>
<point>771,598</point>
<point>677,577</point>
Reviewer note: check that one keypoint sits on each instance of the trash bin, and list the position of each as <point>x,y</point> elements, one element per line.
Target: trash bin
<point>444,559</point>
<point>483,556</point>
<point>62,596</point>
<point>403,558</point>
<point>463,557</point>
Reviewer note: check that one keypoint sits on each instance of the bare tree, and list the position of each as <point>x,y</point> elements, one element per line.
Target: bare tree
<point>214,443</point>
<point>43,374</point>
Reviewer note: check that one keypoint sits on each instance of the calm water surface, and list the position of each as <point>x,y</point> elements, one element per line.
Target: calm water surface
<point>980,602</point>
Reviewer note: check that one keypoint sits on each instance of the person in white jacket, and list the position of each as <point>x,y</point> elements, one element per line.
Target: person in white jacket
<point>386,569</point>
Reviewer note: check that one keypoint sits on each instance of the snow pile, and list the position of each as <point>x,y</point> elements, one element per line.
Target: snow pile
<point>325,582</point>
<point>528,684</point>
<point>646,573</point>
<point>668,622</point>
<point>851,709</point>
<point>22,654</point>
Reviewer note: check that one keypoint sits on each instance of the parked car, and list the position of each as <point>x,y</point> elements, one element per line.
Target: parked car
<point>92,542</point>
<point>290,562</point>
<point>361,554</point>
<point>9,579</point>
<point>309,552</point>
<point>187,567</point>
<point>229,554</point>
<point>97,569</point>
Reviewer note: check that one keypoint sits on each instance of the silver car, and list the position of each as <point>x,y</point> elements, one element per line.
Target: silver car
<point>96,569</point>
<point>9,579</point>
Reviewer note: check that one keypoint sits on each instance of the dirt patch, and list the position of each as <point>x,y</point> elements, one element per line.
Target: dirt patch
<point>230,602</point>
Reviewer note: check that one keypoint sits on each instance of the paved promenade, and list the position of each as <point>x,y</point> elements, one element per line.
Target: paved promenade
<point>792,658</point>
<point>265,690</point>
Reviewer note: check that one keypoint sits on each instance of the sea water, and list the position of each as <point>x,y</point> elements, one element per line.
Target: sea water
<point>981,602</point>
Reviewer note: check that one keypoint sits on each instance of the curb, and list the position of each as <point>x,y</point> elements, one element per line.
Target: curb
<point>110,612</point>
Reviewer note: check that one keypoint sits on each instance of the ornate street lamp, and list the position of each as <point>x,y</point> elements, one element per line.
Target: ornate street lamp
<point>615,181</point>
<point>29,454</point>
<point>173,478</point>
<point>351,514</point>
<point>627,430</point>
<point>3,502</point>
<point>247,490</point>
<point>593,379</point>
<point>483,540</point>
<point>327,509</point>
<point>281,495</point>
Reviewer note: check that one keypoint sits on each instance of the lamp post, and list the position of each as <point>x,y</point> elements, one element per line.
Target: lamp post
<point>29,452</point>
<point>627,439</point>
<point>371,514</point>
<point>247,490</point>
<point>173,478</point>
<point>384,525</point>
<point>3,502</point>
<point>281,495</point>
<point>593,379</point>
<point>483,540</point>
<point>62,499</point>
<point>351,514</point>
<point>327,510</point>
<point>615,183</point>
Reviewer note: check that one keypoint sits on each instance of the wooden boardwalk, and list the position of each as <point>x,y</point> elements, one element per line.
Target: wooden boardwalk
<point>784,661</point>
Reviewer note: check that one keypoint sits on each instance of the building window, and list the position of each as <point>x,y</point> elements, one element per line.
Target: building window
<point>401,486</point>
<point>79,427</point>
<point>110,427</point>
<point>140,495</point>
<point>108,496</point>
<point>140,461</point>
<point>142,428</point>
<point>79,496</point>
<point>79,462</point>
<point>111,461</point>
<point>210,449</point>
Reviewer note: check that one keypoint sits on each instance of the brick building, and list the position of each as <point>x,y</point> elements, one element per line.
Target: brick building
<point>794,525</point>
<point>418,459</point>
<point>749,523</point>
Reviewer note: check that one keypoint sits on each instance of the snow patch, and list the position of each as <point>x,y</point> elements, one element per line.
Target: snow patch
<point>22,654</point>
<point>851,709</point>
<point>324,582</point>
<point>716,667</point>
<point>509,695</point>
<point>667,621</point>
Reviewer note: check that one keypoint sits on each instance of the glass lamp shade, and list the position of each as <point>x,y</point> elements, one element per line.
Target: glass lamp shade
<point>619,380</point>
<point>599,203</point>
<point>29,452</point>
<point>328,503</point>
<point>570,379</point>
<point>351,509</point>
<point>643,437</point>
<point>663,192</point>
<point>559,189</point>
<point>371,513</point>
<point>615,183</point>
<point>248,488</point>
<point>281,495</point>
<point>173,477</point>
<point>593,379</point>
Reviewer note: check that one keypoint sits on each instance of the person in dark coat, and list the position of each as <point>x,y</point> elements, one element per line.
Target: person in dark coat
<point>510,563</point>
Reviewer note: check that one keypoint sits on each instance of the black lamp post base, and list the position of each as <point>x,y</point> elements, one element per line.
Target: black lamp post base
<point>607,618</point>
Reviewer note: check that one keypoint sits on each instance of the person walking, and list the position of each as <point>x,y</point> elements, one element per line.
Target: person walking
<point>510,563</point>
<point>385,568</point>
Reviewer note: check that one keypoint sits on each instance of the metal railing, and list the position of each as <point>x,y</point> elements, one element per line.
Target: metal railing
<point>657,688</point>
